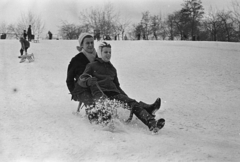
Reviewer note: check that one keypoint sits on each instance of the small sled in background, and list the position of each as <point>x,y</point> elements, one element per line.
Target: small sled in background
<point>29,57</point>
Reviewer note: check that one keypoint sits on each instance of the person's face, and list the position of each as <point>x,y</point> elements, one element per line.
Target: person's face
<point>106,54</point>
<point>88,45</point>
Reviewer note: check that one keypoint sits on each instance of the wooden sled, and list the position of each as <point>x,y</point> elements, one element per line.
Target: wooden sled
<point>29,57</point>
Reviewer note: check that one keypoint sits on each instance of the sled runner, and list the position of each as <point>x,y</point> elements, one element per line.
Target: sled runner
<point>29,57</point>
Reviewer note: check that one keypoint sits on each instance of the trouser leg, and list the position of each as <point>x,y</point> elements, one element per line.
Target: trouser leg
<point>85,97</point>
<point>96,91</point>
<point>29,38</point>
<point>21,51</point>
<point>151,108</point>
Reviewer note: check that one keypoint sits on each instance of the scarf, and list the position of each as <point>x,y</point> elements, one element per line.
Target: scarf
<point>90,56</point>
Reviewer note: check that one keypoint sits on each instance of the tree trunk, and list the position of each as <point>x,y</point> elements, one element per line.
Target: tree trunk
<point>155,35</point>
<point>238,31</point>
<point>193,30</point>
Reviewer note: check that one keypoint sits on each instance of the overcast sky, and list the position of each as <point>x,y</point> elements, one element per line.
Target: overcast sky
<point>53,11</point>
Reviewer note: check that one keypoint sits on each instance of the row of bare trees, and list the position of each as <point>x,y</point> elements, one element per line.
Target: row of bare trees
<point>106,20</point>
<point>191,22</point>
<point>26,19</point>
<point>222,25</point>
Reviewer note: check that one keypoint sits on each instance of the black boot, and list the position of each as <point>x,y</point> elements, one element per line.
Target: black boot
<point>153,108</point>
<point>144,116</point>
<point>157,125</point>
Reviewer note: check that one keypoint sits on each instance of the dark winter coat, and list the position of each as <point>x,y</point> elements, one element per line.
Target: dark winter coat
<point>75,68</point>
<point>25,44</point>
<point>106,75</point>
<point>29,32</point>
<point>25,35</point>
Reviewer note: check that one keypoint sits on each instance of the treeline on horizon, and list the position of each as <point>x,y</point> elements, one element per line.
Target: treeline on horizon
<point>190,22</point>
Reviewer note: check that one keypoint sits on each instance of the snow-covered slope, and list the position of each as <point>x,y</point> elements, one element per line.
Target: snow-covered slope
<point>197,81</point>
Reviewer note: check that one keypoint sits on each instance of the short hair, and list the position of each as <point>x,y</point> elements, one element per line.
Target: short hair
<point>104,44</point>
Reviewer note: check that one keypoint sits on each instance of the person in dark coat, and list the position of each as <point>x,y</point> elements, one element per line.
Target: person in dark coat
<point>101,77</point>
<point>24,34</point>
<point>49,35</point>
<point>29,33</point>
<point>24,46</point>
<point>77,66</point>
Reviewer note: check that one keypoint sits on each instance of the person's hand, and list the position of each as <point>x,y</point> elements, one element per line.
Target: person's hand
<point>91,81</point>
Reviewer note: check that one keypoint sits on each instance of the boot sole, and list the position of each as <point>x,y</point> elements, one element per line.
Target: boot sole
<point>160,125</point>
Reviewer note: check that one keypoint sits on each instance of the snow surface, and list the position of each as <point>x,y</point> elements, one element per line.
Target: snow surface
<point>197,81</point>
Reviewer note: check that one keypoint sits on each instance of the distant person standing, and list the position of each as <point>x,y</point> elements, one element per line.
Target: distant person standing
<point>29,33</point>
<point>24,34</point>
<point>49,35</point>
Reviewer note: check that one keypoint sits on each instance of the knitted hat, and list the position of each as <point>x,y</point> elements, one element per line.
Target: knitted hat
<point>81,37</point>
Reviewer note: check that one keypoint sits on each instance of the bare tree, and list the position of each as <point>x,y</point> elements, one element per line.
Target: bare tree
<point>155,25</point>
<point>13,29</point>
<point>3,27</point>
<point>236,15</point>
<point>137,31</point>
<point>32,19</point>
<point>227,22</point>
<point>212,23</point>
<point>170,26</point>
<point>25,20</point>
<point>122,26</point>
<point>163,29</point>
<point>146,22</point>
<point>104,19</point>
<point>194,10</point>
<point>70,31</point>
<point>158,27</point>
<point>181,24</point>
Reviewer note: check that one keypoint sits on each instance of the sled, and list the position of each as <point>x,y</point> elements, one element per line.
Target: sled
<point>29,57</point>
<point>82,105</point>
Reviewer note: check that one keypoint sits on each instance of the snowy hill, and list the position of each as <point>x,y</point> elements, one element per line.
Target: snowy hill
<point>197,81</point>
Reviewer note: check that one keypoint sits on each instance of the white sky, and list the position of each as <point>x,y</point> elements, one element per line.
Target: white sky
<point>53,11</point>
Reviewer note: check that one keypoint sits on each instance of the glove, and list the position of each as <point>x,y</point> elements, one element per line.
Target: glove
<point>91,81</point>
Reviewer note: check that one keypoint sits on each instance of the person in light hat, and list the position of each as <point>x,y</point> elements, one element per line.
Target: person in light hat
<point>101,77</point>
<point>76,67</point>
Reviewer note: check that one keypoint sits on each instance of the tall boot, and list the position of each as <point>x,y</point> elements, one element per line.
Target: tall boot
<point>144,116</point>
<point>157,125</point>
<point>153,108</point>
<point>148,119</point>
